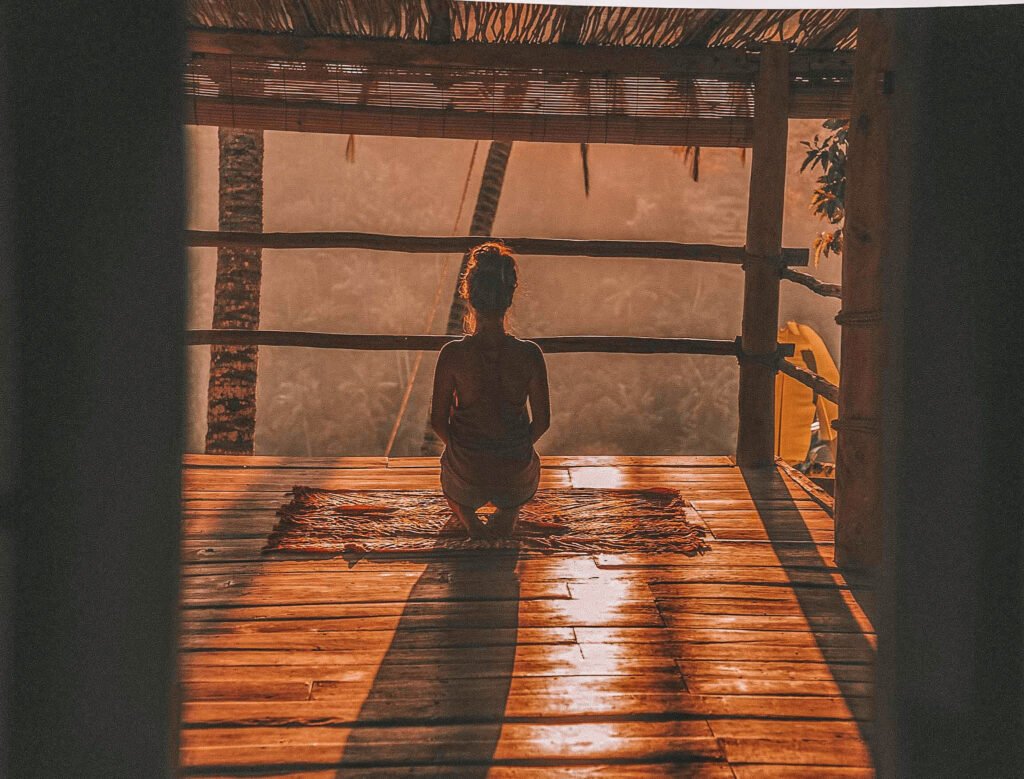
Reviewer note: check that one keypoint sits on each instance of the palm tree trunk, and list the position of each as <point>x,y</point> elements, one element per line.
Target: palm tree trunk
<point>482,225</point>
<point>231,399</point>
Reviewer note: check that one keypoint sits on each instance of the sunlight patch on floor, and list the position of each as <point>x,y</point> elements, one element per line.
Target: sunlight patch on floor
<point>602,476</point>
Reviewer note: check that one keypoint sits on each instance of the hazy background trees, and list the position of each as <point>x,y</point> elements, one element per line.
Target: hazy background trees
<point>326,402</point>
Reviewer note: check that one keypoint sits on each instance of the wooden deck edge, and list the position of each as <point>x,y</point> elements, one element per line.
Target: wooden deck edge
<point>816,493</point>
<point>197,460</point>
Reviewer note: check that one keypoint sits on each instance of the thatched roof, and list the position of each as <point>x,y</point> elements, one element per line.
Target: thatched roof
<point>514,71</point>
<point>529,23</point>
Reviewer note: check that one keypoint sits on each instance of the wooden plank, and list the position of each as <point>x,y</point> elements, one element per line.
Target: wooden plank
<point>754,592</point>
<point>741,574</point>
<point>821,624</point>
<point>336,598</point>
<point>196,460</point>
<point>361,479</point>
<point>723,532</point>
<point>755,445</point>
<point>481,614</point>
<point>475,571</point>
<point>472,661</point>
<point>749,669</point>
<point>721,652</point>
<point>775,771</point>
<point>817,494</point>
<point>460,637</point>
<point>681,705</point>
<point>550,659</point>
<point>643,770</point>
<point>516,743</point>
<point>797,751</point>
<point>745,553</point>
<point>737,686</point>
<point>564,461</point>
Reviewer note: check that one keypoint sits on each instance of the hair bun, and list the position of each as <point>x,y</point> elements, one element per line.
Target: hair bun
<point>491,278</point>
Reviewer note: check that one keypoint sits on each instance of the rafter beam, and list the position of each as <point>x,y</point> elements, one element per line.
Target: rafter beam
<point>832,37</point>
<point>575,17</point>
<point>702,34</point>
<point>439,21</point>
<point>299,14</point>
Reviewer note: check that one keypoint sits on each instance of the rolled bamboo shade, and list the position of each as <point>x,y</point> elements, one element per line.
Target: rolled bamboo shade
<point>676,108</point>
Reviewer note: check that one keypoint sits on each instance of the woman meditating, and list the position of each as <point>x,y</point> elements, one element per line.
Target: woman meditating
<point>481,387</point>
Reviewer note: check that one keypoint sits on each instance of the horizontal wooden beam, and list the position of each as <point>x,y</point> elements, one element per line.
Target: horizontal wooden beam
<point>552,247</point>
<point>814,285</point>
<point>432,343</point>
<point>309,116</point>
<point>826,389</point>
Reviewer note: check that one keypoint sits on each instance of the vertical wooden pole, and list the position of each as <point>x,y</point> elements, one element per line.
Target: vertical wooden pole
<point>231,401</point>
<point>859,453</point>
<point>755,445</point>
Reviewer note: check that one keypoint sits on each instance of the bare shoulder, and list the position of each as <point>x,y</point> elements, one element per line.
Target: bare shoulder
<point>451,353</point>
<point>529,351</point>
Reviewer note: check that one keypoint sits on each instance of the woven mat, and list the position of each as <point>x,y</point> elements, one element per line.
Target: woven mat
<point>320,521</point>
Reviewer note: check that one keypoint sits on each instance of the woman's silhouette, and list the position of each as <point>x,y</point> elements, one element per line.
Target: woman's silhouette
<point>482,384</point>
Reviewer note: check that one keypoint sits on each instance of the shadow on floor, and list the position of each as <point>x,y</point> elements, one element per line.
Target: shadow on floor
<point>835,628</point>
<point>439,696</point>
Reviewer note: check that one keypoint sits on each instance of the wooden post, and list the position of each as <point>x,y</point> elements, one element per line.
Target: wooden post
<point>951,591</point>
<point>859,452</point>
<point>755,445</point>
<point>231,403</point>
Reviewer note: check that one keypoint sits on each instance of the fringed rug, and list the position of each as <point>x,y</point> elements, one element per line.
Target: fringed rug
<point>320,521</point>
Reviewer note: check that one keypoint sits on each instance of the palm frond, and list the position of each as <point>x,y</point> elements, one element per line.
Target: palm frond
<point>584,151</point>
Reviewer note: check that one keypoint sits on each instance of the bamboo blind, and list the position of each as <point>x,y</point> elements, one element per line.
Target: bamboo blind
<point>674,108</point>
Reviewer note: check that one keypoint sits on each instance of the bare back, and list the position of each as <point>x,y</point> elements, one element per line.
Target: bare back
<point>482,385</point>
<point>503,368</point>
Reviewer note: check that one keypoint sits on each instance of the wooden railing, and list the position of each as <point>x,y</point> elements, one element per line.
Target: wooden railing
<point>814,285</point>
<point>553,247</point>
<point>810,379</point>
<point>431,343</point>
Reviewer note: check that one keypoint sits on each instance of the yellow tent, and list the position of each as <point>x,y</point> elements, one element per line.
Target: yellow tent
<point>796,404</point>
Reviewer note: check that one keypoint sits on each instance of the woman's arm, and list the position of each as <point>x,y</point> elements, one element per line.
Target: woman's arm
<point>444,391</point>
<point>540,401</point>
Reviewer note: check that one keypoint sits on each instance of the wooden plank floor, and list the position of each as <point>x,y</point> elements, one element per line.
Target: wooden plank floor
<point>753,660</point>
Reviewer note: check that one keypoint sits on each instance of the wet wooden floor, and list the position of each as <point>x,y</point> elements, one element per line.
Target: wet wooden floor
<point>753,660</point>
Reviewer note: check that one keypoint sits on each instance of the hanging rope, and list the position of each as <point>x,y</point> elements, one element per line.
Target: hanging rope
<point>433,311</point>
